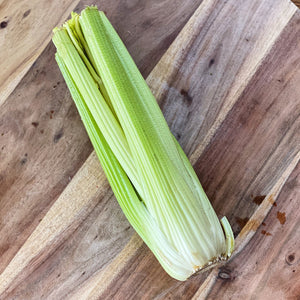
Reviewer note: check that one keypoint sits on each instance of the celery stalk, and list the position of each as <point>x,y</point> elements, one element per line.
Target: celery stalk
<point>148,171</point>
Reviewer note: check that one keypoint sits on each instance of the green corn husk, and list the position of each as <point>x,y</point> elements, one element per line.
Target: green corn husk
<point>148,171</point>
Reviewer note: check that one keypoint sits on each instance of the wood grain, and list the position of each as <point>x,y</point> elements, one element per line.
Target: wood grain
<point>273,272</point>
<point>249,230</point>
<point>43,142</point>
<point>266,130</point>
<point>209,74</point>
<point>26,27</point>
<point>235,174</point>
<point>25,31</point>
<point>228,88</point>
<point>296,2</point>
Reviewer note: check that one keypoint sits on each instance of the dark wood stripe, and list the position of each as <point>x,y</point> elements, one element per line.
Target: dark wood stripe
<point>269,264</point>
<point>260,135</point>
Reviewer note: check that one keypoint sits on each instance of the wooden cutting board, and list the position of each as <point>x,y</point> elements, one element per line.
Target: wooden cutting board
<point>226,75</point>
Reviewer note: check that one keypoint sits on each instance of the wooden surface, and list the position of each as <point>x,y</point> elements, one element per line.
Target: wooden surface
<point>296,2</point>
<point>226,74</point>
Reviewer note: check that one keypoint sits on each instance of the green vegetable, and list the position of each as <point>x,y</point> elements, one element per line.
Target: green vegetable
<point>148,171</point>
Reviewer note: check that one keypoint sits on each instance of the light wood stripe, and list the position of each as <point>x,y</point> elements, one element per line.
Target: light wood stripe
<point>251,227</point>
<point>32,21</point>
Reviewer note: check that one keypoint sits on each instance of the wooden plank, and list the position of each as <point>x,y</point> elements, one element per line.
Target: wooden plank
<point>249,230</point>
<point>251,144</point>
<point>68,257</point>
<point>272,272</point>
<point>215,65</point>
<point>82,270</point>
<point>26,27</point>
<point>25,31</point>
<point>43,142</point>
